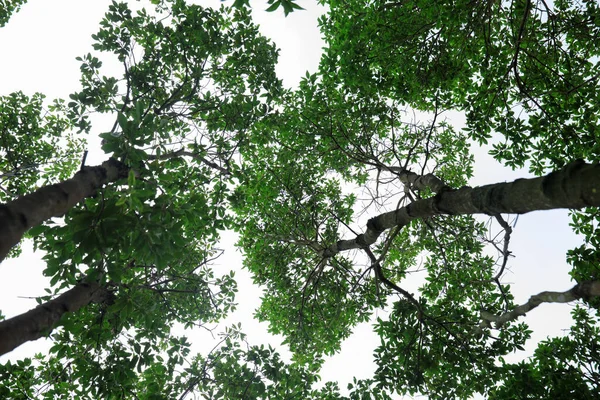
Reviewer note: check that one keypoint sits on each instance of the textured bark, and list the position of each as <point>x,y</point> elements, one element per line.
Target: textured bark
<point>581,290</point>
<point>19,215</point>
<point>416,181</point>
<point>41,320</point>
<point>575,186</point>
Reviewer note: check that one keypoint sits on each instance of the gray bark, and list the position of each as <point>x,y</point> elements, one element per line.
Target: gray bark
<point>575,186</point>
<point>41,320</point>
<point>19,215</point>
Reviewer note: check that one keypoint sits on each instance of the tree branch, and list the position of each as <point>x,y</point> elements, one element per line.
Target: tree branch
<point>575,186</point>
<point>581,290</point>
<point>416,181</point>
<point>25,212</point>
<point>41,320</point>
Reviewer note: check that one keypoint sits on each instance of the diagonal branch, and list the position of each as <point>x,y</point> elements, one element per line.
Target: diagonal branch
<point>577,185</point>
<point>40,321</point>
<point>581,290</point>
<point>25,212</point>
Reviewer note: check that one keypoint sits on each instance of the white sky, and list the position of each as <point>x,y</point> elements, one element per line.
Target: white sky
<point>38,49</point>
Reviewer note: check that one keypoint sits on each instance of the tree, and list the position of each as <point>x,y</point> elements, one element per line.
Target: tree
<point>141,228</point>
<point>508,66</point>
<point>206,138</point>
<point>316,294</point>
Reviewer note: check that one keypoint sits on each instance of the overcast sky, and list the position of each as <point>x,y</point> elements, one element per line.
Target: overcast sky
<point>38,48</point>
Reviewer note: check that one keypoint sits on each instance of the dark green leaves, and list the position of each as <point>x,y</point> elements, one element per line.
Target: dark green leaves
<point>36,143</point>
<point>287,5</point>
<point>8,8</point>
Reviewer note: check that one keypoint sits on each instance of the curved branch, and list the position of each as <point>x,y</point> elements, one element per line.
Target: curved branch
<point>581,290</point>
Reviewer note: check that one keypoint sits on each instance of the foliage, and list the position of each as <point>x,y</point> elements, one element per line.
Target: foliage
<point>233,369</point>
<point>7,8</point>
<point>287,5</point>
<point>36,144</point>
<point>526,70</point>
<point>215,142</point>
<point>561,368</point>
<point>344,128</point>
<point>141,238</point>
<point>193,80</point>
<point>296,204</point>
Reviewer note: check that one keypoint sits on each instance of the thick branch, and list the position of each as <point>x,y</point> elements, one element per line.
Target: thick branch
<point>581,290</point>
<point>416,181</point>
<point>575,186</point>
<point>41,320</point>
<point>19,215</point>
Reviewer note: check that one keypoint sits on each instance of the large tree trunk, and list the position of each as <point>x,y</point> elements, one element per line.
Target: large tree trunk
<point>577,185</point>
<point>41,320</point>
<point>19,215</point>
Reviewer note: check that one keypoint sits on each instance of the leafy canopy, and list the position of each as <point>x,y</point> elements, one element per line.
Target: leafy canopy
<point>215,142</point>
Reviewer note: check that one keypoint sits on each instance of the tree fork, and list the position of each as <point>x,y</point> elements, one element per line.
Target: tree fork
<point>25,212</point>
<point>41,320</point>
<point>577,185</point>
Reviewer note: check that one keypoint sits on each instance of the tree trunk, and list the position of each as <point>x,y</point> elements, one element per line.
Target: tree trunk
<point>19,215</point>
<point>41,320</point>
<point>577,185</point>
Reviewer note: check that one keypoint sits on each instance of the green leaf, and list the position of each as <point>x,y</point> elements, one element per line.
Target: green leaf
<point>122,121</point>
<point>274,6</point>
<point>131,178</point>
<point>37,230</point>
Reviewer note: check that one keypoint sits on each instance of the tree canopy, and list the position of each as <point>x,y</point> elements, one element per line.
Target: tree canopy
<point>207,140</point>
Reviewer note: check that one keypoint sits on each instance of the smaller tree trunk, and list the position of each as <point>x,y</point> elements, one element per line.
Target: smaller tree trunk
<point>19,215</point>
<point>41,320</point>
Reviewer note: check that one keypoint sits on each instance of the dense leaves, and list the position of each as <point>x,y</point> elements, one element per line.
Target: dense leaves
<point>561,368</point>
<point>190,86</point>
<point>214,141</point>
<point>36,144</point>
<point>524,69</point>
<point>346,124</point>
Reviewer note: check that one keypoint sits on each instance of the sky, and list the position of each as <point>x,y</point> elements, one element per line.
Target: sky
<point>38,48</point>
